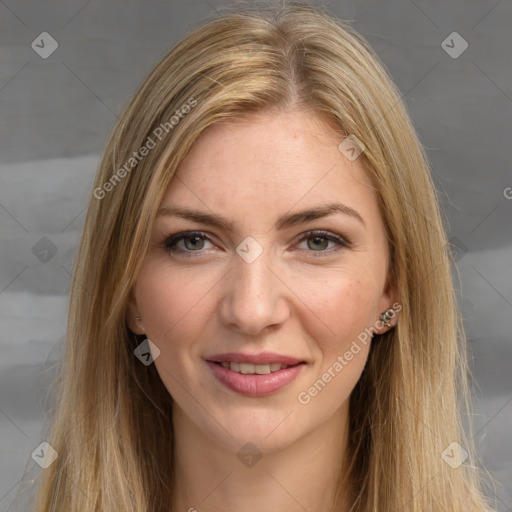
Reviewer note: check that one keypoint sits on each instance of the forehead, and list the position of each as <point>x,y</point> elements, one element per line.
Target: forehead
<point>269,163</point>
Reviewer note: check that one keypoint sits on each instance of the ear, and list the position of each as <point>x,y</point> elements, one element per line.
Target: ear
<point>133,316</point>
<point>390,300</point>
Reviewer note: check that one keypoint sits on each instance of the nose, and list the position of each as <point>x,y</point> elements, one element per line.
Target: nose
<point>254,298</point>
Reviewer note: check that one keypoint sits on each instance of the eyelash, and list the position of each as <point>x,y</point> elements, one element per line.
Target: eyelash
<point>171,241</point>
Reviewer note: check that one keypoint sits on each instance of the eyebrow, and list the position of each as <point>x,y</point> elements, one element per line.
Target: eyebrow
<point>285,221</point>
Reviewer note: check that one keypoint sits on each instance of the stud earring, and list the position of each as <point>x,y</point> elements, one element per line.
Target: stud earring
<point>386,317</point>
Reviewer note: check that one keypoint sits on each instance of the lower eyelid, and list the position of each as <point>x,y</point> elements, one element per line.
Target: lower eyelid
<point>324,252</point>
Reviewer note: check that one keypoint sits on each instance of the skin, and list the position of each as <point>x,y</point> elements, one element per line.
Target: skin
<point>286,301</point>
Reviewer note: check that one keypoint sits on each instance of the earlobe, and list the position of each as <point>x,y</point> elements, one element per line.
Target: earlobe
<point>135,324</point>
<point>140,325</point>
<point>133,317</point>
<point>387,320</point>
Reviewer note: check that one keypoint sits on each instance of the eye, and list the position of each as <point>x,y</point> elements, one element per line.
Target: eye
<point>187,242</point>
<point>195,243</point>
<point>318,241</point>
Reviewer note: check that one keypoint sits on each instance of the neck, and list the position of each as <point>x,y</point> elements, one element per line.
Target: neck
<point>299,477</point>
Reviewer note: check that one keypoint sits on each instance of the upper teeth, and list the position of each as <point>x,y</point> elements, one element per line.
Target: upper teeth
<point>247,368</point>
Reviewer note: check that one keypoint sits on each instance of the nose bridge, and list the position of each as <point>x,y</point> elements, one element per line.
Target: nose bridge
<point>254,277</point>
<point>253,297</point>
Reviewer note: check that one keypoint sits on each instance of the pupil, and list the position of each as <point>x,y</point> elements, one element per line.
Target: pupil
<point>321,243</point>
<point>196,244</point>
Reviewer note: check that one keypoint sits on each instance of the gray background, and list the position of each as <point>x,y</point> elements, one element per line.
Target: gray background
<point>57,113</point>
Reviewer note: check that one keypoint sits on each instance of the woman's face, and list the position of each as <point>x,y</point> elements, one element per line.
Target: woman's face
<point>252,262</point>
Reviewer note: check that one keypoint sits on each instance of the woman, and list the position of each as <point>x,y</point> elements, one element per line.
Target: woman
<point>262,315</point>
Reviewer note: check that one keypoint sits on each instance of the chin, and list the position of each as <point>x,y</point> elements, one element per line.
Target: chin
<point>266,431</point>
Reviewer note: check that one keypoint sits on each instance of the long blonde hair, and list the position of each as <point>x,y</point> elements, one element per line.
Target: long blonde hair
<point>113,423</point>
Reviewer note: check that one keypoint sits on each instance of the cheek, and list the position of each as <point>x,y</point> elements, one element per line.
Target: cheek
<point>164,313</point>
<point>345,304</point>
<point>169,307</point>
<point>167,300</point>
<point>346,307</point>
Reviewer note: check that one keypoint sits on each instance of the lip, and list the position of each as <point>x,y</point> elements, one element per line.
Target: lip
<point>261,358</point>
<point>255,385</point>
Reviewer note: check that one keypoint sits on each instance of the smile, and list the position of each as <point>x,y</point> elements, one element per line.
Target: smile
<point>249,369</point>
<point>255,380</point>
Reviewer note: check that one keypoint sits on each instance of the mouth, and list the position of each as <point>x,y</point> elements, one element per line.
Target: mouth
<point>255,379</point>
<point>254,369</point>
